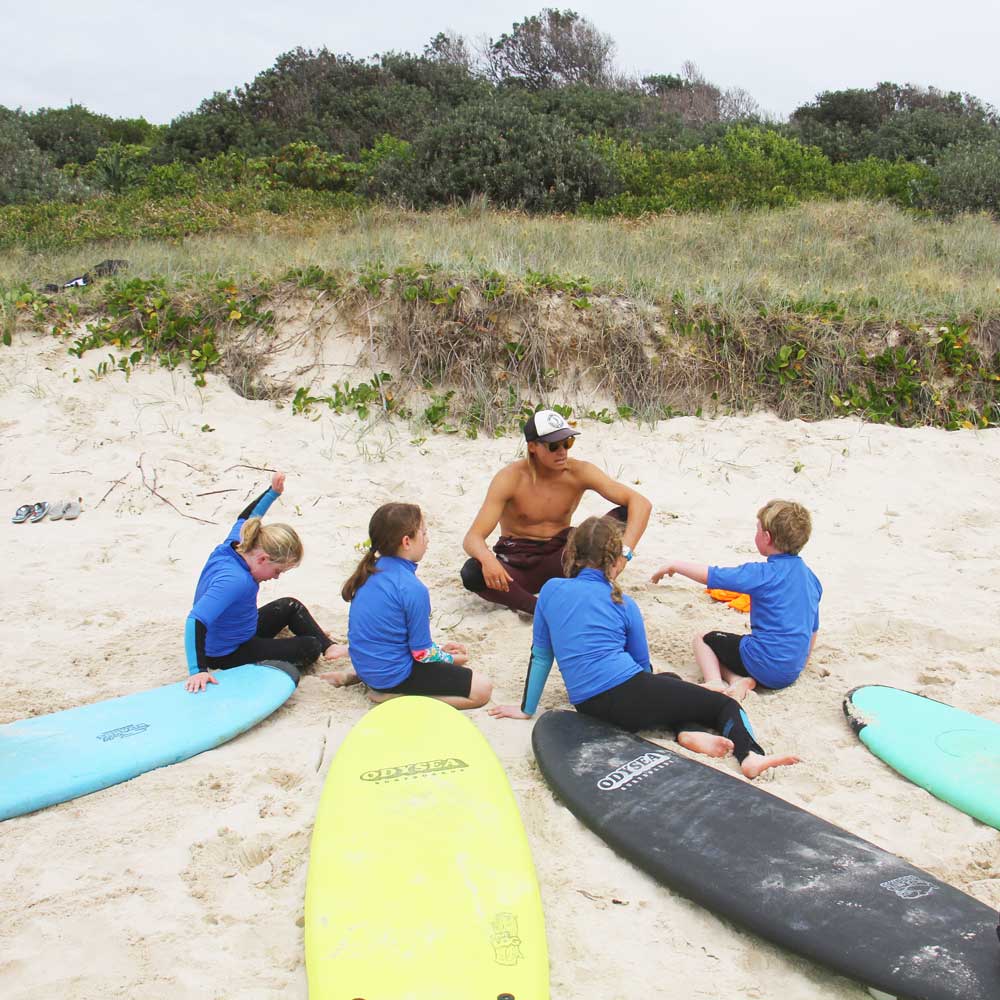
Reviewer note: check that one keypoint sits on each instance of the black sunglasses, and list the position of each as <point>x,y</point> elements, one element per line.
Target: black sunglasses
<point>566,443</point>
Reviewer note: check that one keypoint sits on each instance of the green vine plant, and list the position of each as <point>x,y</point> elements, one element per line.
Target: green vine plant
<point>359,399</point>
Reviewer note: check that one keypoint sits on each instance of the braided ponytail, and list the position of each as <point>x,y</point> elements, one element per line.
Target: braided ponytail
<point>595,544</point>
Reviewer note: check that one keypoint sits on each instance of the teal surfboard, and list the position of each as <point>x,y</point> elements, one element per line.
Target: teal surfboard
<point>953,754</point>
<point>57,757</point>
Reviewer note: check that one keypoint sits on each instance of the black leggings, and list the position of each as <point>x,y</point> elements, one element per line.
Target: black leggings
<point>308,643</point>
<point>651,701</point>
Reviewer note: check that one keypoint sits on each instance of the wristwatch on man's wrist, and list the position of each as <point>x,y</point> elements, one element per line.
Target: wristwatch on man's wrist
<point>627,553</point>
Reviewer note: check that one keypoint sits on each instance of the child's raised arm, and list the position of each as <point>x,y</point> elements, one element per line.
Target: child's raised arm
<point>260,506</point>
<point>693,571</point>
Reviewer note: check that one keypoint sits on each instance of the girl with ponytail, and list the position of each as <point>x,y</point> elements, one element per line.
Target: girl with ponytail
<point>598,636</point>
<point>389,633</point>
<point>225,628</point>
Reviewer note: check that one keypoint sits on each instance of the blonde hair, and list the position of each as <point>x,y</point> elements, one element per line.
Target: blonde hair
<point>532,466</point>
<point>280,542</point>
<point>596,543</point>
<point>788,523</point>
<point>389,525</point>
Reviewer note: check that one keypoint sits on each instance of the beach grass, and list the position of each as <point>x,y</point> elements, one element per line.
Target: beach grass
<point>873,260</point>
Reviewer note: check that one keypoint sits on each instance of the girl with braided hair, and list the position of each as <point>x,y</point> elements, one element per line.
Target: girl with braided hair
<point>388,631</point>
<point>598,636</point>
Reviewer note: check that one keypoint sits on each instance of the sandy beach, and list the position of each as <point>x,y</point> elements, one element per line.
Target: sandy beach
<point>189,881</point>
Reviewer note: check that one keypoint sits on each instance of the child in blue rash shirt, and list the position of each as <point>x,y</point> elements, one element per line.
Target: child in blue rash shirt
<point>388,632</point>
<point>784,605</point>
<point>225,629</point>
<point>598,636</point>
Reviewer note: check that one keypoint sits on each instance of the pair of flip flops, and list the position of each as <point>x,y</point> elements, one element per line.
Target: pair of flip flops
<point>67,509</point>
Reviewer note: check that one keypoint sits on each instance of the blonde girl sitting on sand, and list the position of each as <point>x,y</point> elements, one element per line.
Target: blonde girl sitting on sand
<point>225,628</point>
<point>388,632</point>
<point>598,636</point>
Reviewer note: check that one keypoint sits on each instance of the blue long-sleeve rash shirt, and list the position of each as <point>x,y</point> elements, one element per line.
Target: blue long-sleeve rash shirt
<point>225,599</point>
<point>598,644</point>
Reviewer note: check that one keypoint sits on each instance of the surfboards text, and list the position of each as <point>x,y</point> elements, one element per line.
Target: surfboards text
<point>634,770</point>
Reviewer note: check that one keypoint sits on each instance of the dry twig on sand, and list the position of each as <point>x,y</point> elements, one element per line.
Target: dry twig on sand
<point>256,468</point>
<point>117,482</point>
<point>160,496</point>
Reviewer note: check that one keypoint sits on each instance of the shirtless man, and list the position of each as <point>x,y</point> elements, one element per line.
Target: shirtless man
<point>533,501</point>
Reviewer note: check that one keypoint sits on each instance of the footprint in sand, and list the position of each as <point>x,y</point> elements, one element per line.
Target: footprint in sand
<point>256,861</point>
<point>230,854</point>
<point>217,790</point>
<point>284,779</point>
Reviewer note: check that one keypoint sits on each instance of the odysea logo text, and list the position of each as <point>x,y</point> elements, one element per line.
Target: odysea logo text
<point>632,771</point>
<point>422,768</point>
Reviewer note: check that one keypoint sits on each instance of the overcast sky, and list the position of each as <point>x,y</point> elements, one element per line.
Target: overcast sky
<point>127,59</point>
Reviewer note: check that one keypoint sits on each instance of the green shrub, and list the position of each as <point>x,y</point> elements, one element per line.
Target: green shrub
<point>514,158</point>
<point>232,170</point>
<point>904,183</point>
<point>67,135</point>
<point>117,167</point>
<point>26,174</point>
<point>170,179</point>
<point>748,168</point>
<point>968,179</point>
<point>305,165</point>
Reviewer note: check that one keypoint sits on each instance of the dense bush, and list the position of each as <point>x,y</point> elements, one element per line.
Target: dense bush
<point>117,167</point>
<point>26,173</point>
<point>170,179</point>
<point>336,102</point>
<point>892,122</point>
<point>968,179</point>
<point>304,165</point>
<point>905,184</point>
<point>218,126</point>
<point>748,168</point>
<point>68,135</point>
<point>512,157</point>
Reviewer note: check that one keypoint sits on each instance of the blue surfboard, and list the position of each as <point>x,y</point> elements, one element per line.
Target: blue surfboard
<point>955,755</point>
<point>57,757</point>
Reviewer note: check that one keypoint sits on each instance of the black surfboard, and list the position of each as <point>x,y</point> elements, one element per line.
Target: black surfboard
<point>803,883</point>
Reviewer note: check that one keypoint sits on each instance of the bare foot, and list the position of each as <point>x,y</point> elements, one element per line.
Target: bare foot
<point>721,686</point>
<point>754,764</point>
<point>706,743</point>
<point>340,678</point>
<point>336,651</point>
<point>740,688</point>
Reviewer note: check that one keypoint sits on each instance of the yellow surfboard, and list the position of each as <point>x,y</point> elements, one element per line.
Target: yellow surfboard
<point>421,884</point>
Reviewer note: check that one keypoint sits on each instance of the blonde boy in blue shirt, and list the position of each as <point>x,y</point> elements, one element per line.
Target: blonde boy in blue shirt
<point>784,605</point>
